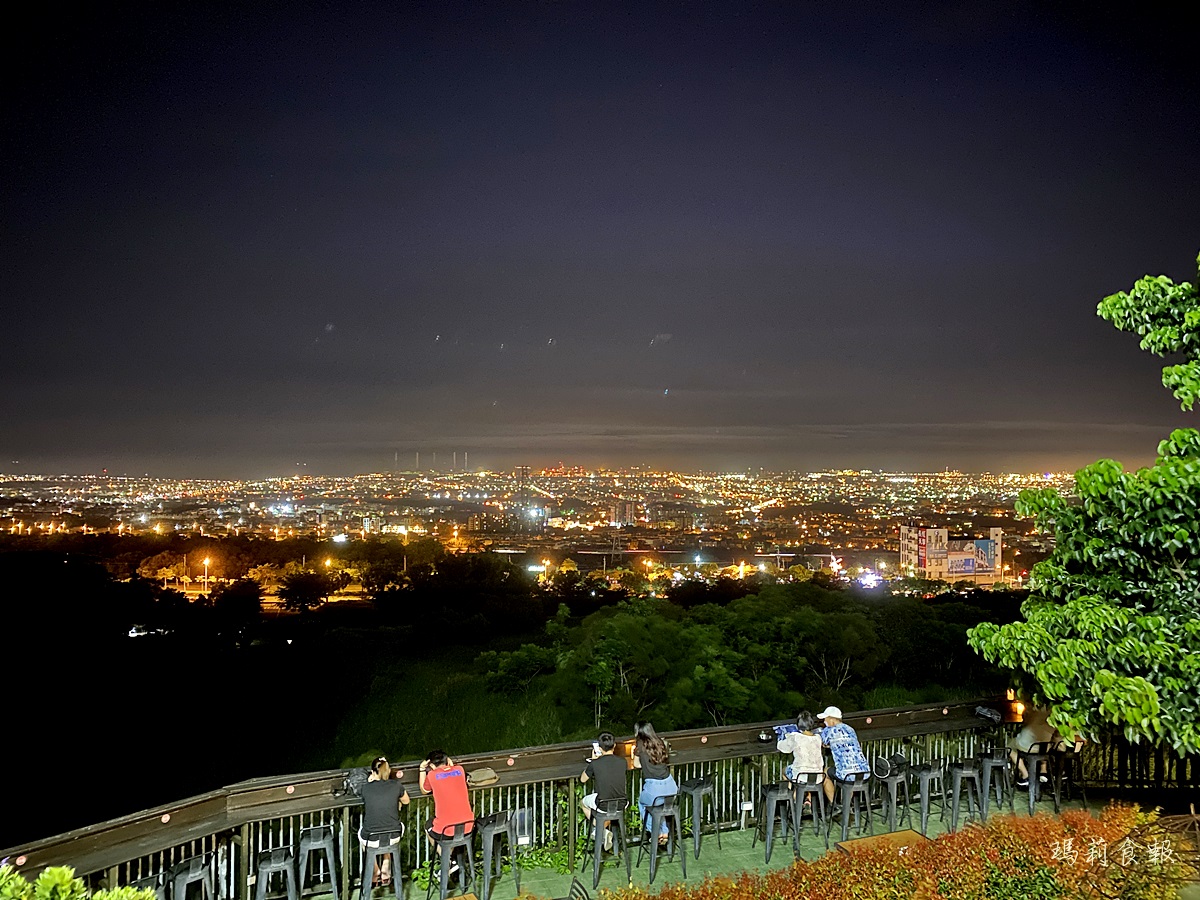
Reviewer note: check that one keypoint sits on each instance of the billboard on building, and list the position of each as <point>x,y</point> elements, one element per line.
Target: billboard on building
<point>971,557</point>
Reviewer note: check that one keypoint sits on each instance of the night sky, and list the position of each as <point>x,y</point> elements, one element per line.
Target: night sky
<point>684,234</point>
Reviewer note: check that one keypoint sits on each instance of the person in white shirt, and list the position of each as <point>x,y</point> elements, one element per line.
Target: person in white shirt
<point>805,747</point>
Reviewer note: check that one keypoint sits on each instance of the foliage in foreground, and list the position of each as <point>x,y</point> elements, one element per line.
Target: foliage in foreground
<point>1111,635</point>
<point>1076,856</point>
<point>59,883</point>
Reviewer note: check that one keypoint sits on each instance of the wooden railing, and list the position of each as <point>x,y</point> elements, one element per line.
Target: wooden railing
<point>232,826</point>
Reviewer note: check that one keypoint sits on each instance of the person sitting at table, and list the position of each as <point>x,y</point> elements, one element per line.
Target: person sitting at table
<point>608,771</point>
<point>650,754</point>
<point>382,797</point>
<point>805,747</point>
<point>451,801</point>
<point>848,756</point>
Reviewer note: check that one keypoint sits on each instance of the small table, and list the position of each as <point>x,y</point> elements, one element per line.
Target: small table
<point>899,841</point>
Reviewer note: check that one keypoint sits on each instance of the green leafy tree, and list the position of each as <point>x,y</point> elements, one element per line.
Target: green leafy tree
<point>1111,634</point>
<point>305,590</point>
<point>267,575</point>
<point>161,567</point>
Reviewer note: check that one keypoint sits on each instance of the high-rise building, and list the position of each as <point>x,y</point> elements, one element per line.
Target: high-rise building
<point>623,512</point>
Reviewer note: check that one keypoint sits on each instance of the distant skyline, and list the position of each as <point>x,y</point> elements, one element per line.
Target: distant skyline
<point>703,236</point>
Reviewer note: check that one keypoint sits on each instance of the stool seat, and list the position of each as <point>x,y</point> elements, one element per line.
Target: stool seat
<point>156,883</point>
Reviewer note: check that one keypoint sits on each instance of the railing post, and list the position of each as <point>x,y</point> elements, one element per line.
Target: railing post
<point>345,817</point>
<point>572,820</point>
<point>243,863</point>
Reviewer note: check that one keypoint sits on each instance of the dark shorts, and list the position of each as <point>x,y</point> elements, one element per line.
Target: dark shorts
<point>438,836</point>
<point>832,773</point>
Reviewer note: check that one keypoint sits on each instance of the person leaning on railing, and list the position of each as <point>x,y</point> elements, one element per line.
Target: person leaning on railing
<point>451,802</point>
<point>382,798</point>
<point>805,747</point>
<point>848,756</point>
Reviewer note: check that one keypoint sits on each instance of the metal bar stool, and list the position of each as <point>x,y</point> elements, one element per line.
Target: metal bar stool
<point>855,787</point>
<point>803,784</point>
<point>663,809</point>
<point>319,839</point>
<point>775,805</point>
<point>927,775</point>
<point>964,773</point>
<point>197,870</point>
<point>698,789</point>
<point>608,812</point>
<point>492,830</point>
<point>891,774</point>
<point>994,768</point>
<point>373,850</point>
<point>282,861</point>
<point>459,839</point>
<point>1068,770</point>
<point>1033,758</point>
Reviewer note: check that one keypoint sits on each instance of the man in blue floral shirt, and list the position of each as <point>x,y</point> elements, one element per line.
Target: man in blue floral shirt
<point>848,757</point>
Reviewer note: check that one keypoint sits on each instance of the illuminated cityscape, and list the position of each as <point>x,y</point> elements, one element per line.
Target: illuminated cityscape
<point>850,518</point>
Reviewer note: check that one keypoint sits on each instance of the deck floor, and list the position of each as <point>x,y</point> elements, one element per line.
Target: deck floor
<point>738,853</point>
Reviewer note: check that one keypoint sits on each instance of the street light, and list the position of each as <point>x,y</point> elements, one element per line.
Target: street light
<point>206,574</point>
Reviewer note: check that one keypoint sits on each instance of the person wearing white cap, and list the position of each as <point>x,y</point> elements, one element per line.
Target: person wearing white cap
<point>848,757</point>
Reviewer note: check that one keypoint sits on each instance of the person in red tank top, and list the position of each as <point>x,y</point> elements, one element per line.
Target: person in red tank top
<point>451,802</point>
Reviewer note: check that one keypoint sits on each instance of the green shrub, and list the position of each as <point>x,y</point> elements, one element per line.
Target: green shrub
<point>13,885</point>
<point>60,883</point>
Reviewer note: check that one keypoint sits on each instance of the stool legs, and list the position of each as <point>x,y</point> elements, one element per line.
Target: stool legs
<point>674,843</point>
<point>281,862</point>
<point>370,856</point>
<point>322,846</point>
<point>596,831</point>
<point>958,780</point>
<point>774,808</point>
<point>803,792</point>
<point>698,797</point>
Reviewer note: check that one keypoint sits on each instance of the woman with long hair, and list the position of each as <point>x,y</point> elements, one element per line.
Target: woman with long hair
<point>650,754</point>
